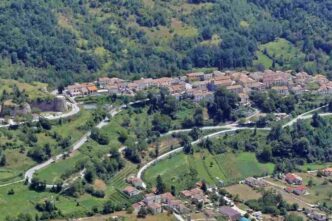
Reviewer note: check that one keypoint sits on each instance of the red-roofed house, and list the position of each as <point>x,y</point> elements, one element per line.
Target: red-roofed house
<point>167,197</point>
<point>292,178</point>
<point>138,206</point>
<point>185,193</point>
<point>136,182</point>
<point>327,172</point>
<point>299,190</point>
<point>131,191</point>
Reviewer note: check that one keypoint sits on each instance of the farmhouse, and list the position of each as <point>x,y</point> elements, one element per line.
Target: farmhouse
<point>131,191</point>
<point>177,206</point>
<point>230,213</point>
<point>138,206</point>
<point>292,178</point>
<point>299,190</point>
<point>136,182</point>
<point>166,197</point>
<point>327,172</point>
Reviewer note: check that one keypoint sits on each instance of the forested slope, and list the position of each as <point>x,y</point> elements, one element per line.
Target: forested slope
<point>62,41</point>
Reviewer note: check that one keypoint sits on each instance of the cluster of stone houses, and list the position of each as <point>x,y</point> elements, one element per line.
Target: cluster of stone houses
<point>195,195</point>
<point>157,203</point>
<point>201,86</point>
<point>81,89</point>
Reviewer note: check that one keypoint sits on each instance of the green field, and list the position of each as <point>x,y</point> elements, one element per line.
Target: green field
<point>228,167</point>
<point>33,90</point>
<point>53,173</point>
<point>24,200</point>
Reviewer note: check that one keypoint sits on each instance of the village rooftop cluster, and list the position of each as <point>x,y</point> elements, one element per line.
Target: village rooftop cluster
<point>187,200</point>
<point>201,86</point>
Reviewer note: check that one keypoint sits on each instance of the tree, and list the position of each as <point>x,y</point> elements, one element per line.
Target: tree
<point>45,123</point>
<point>330,106</point>
<point>61,88</point>
<point>108,208</point>
<point>161,188</point>
<point>161,123</point>
<point>173,190</point>
<point>275,132</point>
<point>37,184</point>
<point>3,159</point>
<point>142,213</point>
<point>187,148</point>
<point>198,117</point>
<point>89,176</point>
<point>11,192</point>
<point>99,137</point>
<point>220,109</point>
<point>195,133</point>
<point>204,186</point>
<point>317,121</point>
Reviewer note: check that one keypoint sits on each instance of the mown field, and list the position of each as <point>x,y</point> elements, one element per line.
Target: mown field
<point>280,50</point>
<point>228,168</point>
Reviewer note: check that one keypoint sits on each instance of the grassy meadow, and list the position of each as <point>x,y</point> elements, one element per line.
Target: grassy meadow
<point>228,168</point>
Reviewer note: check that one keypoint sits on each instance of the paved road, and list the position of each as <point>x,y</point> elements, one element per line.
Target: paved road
<point>165,155</point>
<point>29,174</point>
<point>228,129</point>
<point>233,127</point>
<point>306,115</point>
<point>218,127</point>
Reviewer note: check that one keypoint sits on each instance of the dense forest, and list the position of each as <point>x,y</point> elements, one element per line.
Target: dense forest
<point>74,40</point>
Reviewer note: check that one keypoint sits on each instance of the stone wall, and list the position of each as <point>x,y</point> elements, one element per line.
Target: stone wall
<point>57,104</point>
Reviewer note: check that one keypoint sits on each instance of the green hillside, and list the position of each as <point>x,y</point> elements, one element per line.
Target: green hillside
<point>64,41</point>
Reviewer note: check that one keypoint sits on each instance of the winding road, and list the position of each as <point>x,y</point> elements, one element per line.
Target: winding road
<point>29,174</point>
<point>231,128</point>
<point>76,146</point>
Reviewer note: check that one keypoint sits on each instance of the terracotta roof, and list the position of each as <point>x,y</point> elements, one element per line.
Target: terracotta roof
<point>328,170</point>
<point>129,189</point>
<point>92,88</point>
<point>167,196</point>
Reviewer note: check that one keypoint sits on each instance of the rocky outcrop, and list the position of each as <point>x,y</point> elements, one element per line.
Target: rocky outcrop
<point>11,109</point>
<point>57,104</point>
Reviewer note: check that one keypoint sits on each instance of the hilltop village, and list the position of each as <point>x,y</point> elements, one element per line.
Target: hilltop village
<point>201,85</point>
